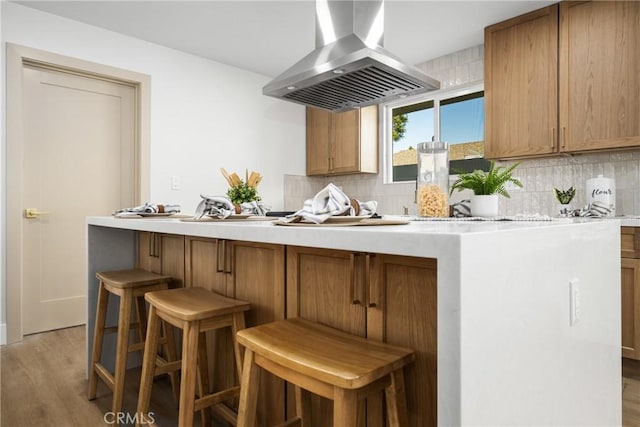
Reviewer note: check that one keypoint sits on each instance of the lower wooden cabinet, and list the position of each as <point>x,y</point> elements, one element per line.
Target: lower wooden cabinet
<point>325,286</point>
<point>402,309</point>
<point>630,309</point>
<point>163,254</point>
<point>382,297</point>
<point>630,291</point>
<point>247,271</point>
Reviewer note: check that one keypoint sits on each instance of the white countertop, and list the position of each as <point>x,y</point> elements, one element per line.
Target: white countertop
<point>417,238</point>
<point>503,306</point>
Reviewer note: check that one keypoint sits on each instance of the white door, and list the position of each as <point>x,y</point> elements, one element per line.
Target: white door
<point>79,160</point>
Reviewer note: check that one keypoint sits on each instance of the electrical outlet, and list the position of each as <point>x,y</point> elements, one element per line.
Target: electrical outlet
<point>574,301</point>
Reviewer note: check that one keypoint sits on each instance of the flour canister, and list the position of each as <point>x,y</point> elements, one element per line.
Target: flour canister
<point>602,191</point>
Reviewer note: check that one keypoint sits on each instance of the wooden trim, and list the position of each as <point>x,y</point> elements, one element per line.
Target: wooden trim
<point>630,242</point>
<point>16,57</point>
<point>633,352</point>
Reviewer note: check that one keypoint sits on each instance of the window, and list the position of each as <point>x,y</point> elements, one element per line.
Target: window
<point>455,116</point>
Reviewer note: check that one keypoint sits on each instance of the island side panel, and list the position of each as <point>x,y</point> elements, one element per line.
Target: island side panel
<point>519,351</point>
<point>107,249</point>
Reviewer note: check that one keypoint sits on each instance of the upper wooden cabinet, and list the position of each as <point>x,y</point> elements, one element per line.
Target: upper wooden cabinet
<point>520,85</point>
<point>565,78</point>
<point>342,143</point>
<point>599,75</point>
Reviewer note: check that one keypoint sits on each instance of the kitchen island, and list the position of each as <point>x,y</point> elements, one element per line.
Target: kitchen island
<point>524,325</point>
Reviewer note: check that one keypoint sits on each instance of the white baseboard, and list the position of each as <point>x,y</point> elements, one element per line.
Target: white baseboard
<point>3,333</point>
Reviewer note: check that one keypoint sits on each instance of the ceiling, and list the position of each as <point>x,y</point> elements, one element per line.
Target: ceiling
<point>267,36</point>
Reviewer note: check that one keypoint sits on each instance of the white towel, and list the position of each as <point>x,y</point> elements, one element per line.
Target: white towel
<point>596,209</point>
<point>215,206</point>
<point>254,208</point>
<point>148,208</point>
<point>331,201</point>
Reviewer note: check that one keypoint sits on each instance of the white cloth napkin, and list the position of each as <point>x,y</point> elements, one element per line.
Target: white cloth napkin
<point>596,209</point>
<point>254,208</point>
<point>331,201</point>
<point>148,208</point>
<point>215,206</point>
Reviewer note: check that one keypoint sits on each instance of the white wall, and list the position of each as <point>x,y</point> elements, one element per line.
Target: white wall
<point>204,115</point>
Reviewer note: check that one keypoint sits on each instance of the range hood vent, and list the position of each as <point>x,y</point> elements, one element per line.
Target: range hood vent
<point>349,67</point>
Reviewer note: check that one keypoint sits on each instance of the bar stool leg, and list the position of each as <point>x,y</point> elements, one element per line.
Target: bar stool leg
<point>345,408</point>
<point>98,336</point>
<point>303,406</point>
<point>248,391</point>
<point>190,336</point>
<point>122,349</point>
<point>148,363</point>
<point>172,355</point>
<point>203,377</point>
<point>141,311</point>
<point>237,325</point>
<point>396,400</point>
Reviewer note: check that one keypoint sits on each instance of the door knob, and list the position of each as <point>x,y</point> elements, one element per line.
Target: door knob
<point>33,213</point>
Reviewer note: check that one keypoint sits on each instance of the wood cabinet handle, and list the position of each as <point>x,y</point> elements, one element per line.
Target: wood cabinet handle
<point>372,297</point>
<point>352,284</point>
<point>553,138</point>
<point>154,245</point>
<point>228,255</point>
<point>220,252</point>
<point>151,244</point>
<point>564,136</point>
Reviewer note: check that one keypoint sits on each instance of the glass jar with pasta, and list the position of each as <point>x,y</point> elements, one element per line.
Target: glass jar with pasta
<point>433,179</point>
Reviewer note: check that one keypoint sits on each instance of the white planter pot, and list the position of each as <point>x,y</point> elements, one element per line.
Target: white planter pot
<point>484,206</point>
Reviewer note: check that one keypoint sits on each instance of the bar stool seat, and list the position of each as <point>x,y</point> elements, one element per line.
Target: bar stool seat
<point>194,310</point>
<point>131,286</point>
<point>324,361</point>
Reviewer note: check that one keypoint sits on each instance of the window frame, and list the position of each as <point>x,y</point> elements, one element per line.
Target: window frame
<point>386,121</point>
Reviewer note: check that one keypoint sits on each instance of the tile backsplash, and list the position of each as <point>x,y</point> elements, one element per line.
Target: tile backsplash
<point>539,176</point>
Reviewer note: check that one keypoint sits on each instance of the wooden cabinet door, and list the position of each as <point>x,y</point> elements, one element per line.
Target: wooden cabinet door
<point>599,75</point>
<point>319,134</point>
<point>148,252</point>
<point>520,86</point>
<point>345,147</point>
<point>355,141</point>
<point>162,254</point>
<point>402,310</point>
<point>630,309</point>
<point>255,273</point>
<point>204,264</point>
<point>322,285</point>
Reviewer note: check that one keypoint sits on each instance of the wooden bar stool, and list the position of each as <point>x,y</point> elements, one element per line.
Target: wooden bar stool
<point>130,286</point>
<point>194,310</point>
<point>324,361</point>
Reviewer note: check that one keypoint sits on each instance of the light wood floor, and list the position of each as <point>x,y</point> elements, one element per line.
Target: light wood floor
<point>42,383</point>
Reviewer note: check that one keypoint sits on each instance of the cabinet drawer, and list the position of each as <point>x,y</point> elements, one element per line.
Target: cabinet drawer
<point>630,242</point>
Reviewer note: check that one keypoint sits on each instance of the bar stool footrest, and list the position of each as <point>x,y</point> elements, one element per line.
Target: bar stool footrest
<point>215,398</point>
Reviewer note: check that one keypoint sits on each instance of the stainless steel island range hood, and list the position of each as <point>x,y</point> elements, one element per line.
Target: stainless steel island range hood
<point>349,67</point>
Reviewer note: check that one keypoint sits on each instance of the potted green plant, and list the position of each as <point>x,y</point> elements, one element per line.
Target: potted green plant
<point>240,191</point>
<point>486,187</point>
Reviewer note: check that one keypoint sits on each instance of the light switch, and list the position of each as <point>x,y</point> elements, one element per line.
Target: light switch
<point>574,301</point>
<point>175,182</point>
